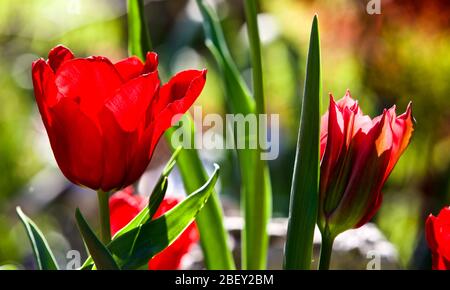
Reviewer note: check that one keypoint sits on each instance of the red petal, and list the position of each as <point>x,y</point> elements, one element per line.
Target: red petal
<point>77,144</point>
<point>130,67</point>
<point>334,146</point>
<point>346,102</point>
<point>429,233</point>
<point>124,206</point>
<point>89,82</point>
<point>116,144</point>
<point>151,62</point>
<point>44,88</point>
<point>59,55</point>
<point>175,98</point>
<point>437,233</point>
<point>139,154</point>
<point>402,128</point>
<point>131,102</point>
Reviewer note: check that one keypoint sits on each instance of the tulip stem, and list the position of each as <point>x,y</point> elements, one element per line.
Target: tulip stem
<point>103,210</point>
<point>326,250</point>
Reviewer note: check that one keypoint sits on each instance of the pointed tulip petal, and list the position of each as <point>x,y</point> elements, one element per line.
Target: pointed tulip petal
<point>129,68</point>
<point>59,55</point>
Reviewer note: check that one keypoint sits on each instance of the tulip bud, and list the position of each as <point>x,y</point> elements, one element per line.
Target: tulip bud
<point>357,156</point>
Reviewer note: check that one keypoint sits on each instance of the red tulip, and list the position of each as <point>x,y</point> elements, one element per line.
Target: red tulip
<point>124,206</point>
<point>437,230</point>
<point>103,119</point>
<point>357,156</point>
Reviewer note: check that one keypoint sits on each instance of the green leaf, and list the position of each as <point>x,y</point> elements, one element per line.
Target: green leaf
<point>160,189</point>
<point>99,253</point>
<point>137,246</point>
<point>139,42</point>
<point>157,197</point>
<point>238,94</point>
<point>305,181</point>
<point>44,256</point>
<point>256,187</point>
<point>213,235</point>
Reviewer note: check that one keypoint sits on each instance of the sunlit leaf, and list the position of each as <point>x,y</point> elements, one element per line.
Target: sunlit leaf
<point>99,253</point>
<point>305,181</point>
<point>44,256</point>
<point>136,247</point>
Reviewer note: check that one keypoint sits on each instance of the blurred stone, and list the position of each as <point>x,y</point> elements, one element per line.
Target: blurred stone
<point>363,248</point>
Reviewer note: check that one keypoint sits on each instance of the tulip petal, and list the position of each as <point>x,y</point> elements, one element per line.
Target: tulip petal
<point>44,89</point>
<point>115,143</point>
<point>77,144</point>
<point>402,128</point>
<point>334,146</point>
<point>124,206</point>
<point>430,234</point>
<point>89,82</point>
<point>175,98</point>
<point>151,62</point>
<point>129,68</point>
<point>59,55</point>
<point>139,154</point>
<point>131,102</point>
<point>437,233</point>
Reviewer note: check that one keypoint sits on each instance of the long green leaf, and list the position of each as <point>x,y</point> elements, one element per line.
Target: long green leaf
<point>239,96</point>
<point>135,247</point>
<point>305,180</point>
<point>255,179</point>
<point>213,235</point>
<point>100,254</point>
<point>44,256</point>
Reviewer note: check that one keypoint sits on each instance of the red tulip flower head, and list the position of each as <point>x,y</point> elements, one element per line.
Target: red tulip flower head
<point>104,119</point>
<point>437,230</point>
<point>357,155</point>
<point>124,206</point>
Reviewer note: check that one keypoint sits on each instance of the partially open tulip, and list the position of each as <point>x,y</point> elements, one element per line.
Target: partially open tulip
<point>437,230</point>
<point>104,119</point>
<point>124,206</point>
<point>357,155</point>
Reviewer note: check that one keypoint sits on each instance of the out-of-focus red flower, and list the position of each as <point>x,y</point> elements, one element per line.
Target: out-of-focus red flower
<point>124,206</point>
<point>103,119</point>
<point>357,155</point>
<point>437,231</point>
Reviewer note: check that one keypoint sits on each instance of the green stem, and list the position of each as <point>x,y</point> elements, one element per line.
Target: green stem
<point>139,42</point>
<point>326,251</point>
<point>256,189</point>
<point>255,54</point>
<point>103,209</point>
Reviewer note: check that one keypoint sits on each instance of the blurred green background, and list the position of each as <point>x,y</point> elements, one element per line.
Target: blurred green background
<point>392,58</point>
